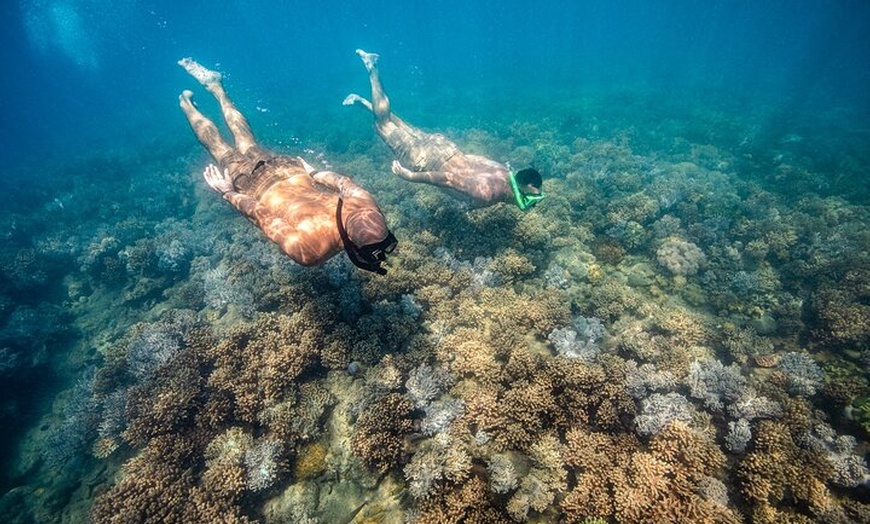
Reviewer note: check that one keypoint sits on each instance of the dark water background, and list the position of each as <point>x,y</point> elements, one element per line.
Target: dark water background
<point>93,74</point>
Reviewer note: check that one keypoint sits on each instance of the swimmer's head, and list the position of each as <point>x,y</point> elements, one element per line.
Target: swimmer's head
<point>526,186</point>
<point>371,245</point>
<point>369,257</point>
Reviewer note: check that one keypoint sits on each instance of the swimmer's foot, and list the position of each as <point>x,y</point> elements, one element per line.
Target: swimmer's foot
<point>354,98</point>
<point>186,99</point>
<point>351,99</point>
<point>370,60</point>
<point>205,76</point>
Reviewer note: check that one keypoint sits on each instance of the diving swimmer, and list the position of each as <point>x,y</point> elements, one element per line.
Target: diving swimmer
<point>434,159</point>
<point>312,215</point>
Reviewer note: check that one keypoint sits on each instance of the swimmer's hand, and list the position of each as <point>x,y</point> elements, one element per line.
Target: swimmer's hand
<point>218,180</point>
<point>399,169</point>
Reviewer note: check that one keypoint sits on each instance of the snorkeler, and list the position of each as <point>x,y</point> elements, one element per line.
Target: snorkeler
<point>310,214</point>
<point>435,159</point>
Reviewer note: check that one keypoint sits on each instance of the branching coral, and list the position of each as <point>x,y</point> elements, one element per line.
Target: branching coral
<point>470,502</point>
<point>440,459</point>
<point>544,481</point>
<point>777,470</point>
<point>658,410</point>
<point>662,485</point>
<point>580,340</point>
<point>159,486</point>
<point>803,375</point>
<point>258,364</point>
<point>379,433</point>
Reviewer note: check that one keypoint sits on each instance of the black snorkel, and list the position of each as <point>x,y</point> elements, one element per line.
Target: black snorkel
<point>368,257</point>
<point>526,201</point>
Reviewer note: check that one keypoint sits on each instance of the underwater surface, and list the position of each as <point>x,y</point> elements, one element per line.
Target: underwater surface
<point>678,332</point>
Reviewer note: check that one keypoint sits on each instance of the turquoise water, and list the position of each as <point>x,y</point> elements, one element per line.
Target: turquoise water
<point>697,278</point>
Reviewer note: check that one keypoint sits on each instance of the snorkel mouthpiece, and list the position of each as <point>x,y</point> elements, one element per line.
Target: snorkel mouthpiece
<point>524,201</point>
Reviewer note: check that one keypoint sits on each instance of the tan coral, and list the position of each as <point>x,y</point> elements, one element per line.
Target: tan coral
<point>777,471</point>
<point>379,432</point>
<point>469,502</point>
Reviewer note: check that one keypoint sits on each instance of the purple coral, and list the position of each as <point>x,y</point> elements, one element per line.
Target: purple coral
<point>643,380</point>
<point>427,383</point>
<point>661,409</point>
<point>711,381</point>
<point>739,435</point>
<point>803,375</point>
<point>581,342</point>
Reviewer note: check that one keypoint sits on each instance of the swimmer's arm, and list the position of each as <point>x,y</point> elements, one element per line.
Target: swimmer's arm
<point>247,206</point>
<point>438,178</point>
<point>344,186</point>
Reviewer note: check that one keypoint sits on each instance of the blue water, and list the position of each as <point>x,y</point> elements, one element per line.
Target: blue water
<point>91,74</point>
<point>731,132</point>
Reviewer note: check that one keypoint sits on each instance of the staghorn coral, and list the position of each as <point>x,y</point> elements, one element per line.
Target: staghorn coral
<point>674,480</point>
<point>262,464</point>
<point>166,403</point>
<point>751,406</point>
<point>643,380</point>
<point>594,457</point>
<point>664,485</point>
<point>187,417</point>
<point>581,342</point>
<point>159,486</point>
<point>842,308</point>
<point>224,462</point>
<point>850,469</point>
<point>467,503</point>
<point>69,437</point>
<point>259,363</point>
<point>739,434</point>
<point>503,476</point>
<point>440,414</point>
<point>426,383</point>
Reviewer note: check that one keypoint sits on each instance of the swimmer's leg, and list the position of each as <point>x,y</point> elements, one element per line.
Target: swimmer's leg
<point>380,102</point>
<point>204,129</point>
<point>237,123</point>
